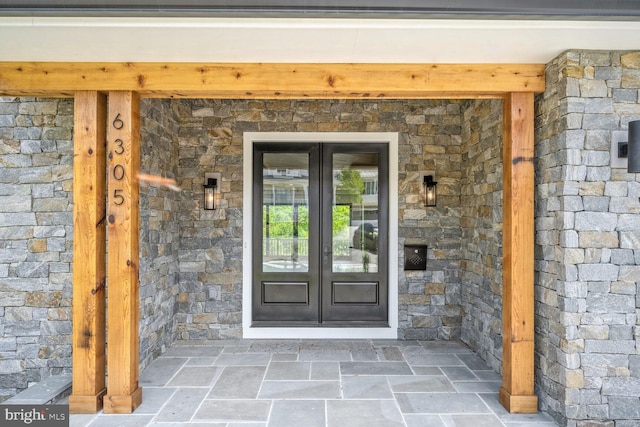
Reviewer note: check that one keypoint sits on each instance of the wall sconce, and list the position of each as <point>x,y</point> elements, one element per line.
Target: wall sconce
<point>430,193</point>
<point>633,147</point>
<point>210,193</point>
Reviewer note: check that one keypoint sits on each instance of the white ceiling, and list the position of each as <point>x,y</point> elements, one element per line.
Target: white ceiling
<point>306,40</point>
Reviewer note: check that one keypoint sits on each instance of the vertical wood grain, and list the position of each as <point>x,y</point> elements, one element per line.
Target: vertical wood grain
<point>89,165</point>
<point>123,222</point>
<point>517,391</point>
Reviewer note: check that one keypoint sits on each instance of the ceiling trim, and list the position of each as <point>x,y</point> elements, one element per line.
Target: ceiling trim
<point>455,9</point>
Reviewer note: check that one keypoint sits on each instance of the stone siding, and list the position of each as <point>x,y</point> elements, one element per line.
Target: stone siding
<point>36,240</point>
<point>481,195</point>
<point>159,231</point>
<point>587,245</point>
<point>210,135</point>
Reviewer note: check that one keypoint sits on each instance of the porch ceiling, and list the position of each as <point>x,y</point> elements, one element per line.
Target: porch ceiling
<point>310,40</point>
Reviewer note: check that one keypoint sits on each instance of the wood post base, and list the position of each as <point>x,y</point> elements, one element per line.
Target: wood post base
<point>86,404</point>
<point>122,404</point>
<point>518,404</point>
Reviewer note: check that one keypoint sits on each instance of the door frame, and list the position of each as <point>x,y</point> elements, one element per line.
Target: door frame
<point>387,332</point>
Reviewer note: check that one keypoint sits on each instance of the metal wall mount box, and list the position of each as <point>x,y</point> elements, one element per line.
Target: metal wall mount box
<point>415,257</point>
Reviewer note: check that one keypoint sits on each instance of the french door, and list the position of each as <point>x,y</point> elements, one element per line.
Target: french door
<point>320,234</point>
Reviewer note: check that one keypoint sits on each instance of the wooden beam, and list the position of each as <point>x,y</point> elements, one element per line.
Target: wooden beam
<point>517,391</point>
<point>199,80</point>
<point>89,165</point>
<point>123,218</point>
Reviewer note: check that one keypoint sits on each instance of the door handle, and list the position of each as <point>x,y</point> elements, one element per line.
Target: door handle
<point>326,251</point>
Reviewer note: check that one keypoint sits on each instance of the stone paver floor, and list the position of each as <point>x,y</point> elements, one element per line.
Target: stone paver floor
<point>318,383</point>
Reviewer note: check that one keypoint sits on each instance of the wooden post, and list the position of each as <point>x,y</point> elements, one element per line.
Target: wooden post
<point>123,218</point>
<point>517,392</point>
<point>89,165</point>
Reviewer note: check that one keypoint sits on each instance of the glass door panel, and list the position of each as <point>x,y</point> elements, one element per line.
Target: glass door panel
<point>285,212</point>
<point>355,213</point>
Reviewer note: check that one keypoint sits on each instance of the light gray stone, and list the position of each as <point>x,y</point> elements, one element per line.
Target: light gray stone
<point>630,239</point>
<point>620,332</point>
<point>622,257</point>
<point>629,273</point>
<point>383,413</point>
<point>310,413</point>
<point>622,205</point>
<point>610,303</point>
<point>434,403</point>
<point>8,344</point>
<point>598,173</point>
<point>600,121</point>
<point>598,272</point>
<point>11,366</point>
<point>628,222</point>
<point>182,405</point>
<point>595,221</point>
<point>596,203</point>
<point>610,347</point>
<point>572,203</point>
<point>614,386</point>
<point>14,219</point>
<point>625,95</point>
<point>299,390</point>
<point>599,105</point>
<point>238,382</point>
<point>616,189</point>
<point>574,173</point>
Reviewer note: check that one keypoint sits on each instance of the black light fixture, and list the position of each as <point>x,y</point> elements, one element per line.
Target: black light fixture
<point>210,194</point>
<point>633,147</point>
<point>430,193</point>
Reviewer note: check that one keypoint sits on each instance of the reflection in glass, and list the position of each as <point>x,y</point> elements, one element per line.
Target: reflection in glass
<point>355,213</point>
<point>285,212</point>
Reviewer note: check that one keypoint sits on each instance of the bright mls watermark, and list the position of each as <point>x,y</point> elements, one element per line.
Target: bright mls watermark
<point>34,415</point>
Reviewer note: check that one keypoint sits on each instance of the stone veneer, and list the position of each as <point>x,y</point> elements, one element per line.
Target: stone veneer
<point>481,223</point>
<point>36,238</point>
<point>159,231</point>
<point>587,243</point>
<point>211,139</point>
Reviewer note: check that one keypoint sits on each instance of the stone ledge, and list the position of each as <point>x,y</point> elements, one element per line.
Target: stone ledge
<point>45,392</point>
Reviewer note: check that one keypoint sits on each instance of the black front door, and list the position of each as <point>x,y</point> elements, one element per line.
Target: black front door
<point>320,222</point>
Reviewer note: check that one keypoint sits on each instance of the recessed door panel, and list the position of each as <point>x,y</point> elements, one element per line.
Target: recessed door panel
<point>358,293</point>
<point>285,293</point>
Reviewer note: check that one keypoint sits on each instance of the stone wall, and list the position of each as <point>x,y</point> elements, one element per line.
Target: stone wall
<point>36,239</point>
<point>210,136</point>
<point>159,231</point>
<point>588,242</point>
<point>481,200</point>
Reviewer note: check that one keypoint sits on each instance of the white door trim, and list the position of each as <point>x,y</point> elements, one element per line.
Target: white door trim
<point>390,332</point>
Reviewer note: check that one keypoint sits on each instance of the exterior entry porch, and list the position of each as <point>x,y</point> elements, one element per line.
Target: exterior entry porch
<point>318,383</point>
<point>514,85</point>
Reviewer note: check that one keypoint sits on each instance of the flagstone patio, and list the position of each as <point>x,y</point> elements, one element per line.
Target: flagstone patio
<point>323,383</point>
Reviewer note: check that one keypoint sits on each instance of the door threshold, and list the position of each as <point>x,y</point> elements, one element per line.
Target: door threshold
<point>319,333</point>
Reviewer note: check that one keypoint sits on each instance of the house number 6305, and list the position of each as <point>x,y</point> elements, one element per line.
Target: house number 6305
<point>118,169</point>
